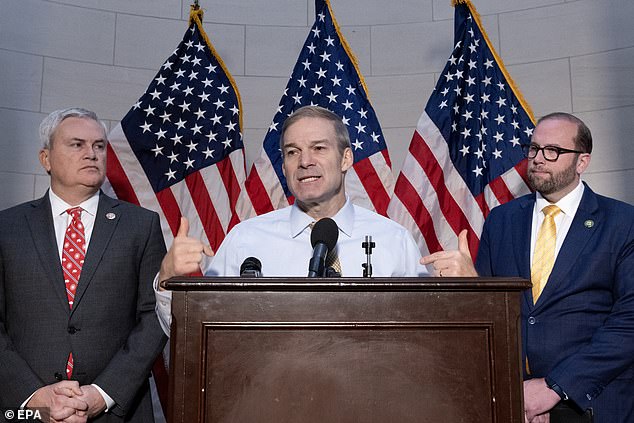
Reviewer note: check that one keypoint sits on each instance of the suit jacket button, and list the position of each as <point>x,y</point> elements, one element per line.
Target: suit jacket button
<point>532,320</point>
<point>72,330</point>
<point>58,376</point>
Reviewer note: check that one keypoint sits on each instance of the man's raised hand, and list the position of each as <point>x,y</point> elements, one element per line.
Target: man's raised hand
<point>453,262</point>
<point>185,254</point>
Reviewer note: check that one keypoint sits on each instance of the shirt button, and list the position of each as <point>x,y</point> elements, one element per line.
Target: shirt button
<point>72,330</point>
<point>531,320</point>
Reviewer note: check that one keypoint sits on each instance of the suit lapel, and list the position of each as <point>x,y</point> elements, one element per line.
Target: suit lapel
<point>40,221</point>
<point>522,242</point>
<point>106,221</point>
<point>578,236</point>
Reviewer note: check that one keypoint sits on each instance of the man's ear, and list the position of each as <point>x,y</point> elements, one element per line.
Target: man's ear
<point>347,160</point>
<point>583,161</point>
<point>45,159</point>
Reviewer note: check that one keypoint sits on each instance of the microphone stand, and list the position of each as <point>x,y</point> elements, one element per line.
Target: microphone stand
<point>367,245</point>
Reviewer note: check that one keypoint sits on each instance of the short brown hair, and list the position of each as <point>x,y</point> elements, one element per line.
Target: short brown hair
<point>583,139</point>
<point>341,132</point>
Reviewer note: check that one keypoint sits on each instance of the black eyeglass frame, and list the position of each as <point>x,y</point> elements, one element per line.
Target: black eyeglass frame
<point>527,148</point>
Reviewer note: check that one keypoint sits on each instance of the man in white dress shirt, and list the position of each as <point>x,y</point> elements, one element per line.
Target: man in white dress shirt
<point>317,154</point>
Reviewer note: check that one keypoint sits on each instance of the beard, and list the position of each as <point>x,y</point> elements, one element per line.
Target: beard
<point>553,182</point>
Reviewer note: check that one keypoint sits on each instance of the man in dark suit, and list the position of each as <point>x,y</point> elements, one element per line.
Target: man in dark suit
<point>578,320</point>
<point>78,350</point>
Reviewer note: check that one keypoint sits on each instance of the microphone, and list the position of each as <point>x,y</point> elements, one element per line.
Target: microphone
<point>251,268</point>
<point>323,239</point>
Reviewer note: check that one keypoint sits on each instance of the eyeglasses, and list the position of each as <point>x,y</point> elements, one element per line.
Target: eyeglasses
<point>550,152</point>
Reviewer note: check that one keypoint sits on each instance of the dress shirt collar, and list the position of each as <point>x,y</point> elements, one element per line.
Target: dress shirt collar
<point>568,204</point>
<point>59,206</point>
<point>344,219</point>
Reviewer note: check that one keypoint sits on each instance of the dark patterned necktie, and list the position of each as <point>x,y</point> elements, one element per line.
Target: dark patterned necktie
<point>73,254</point>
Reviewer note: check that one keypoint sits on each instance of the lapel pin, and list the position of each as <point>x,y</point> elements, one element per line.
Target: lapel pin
<point>588,223</point>
<point>111,216</point>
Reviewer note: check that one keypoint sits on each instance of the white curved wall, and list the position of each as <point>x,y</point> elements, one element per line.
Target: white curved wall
<point>575,56</point>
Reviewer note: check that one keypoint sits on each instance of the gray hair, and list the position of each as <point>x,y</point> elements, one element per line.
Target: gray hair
<point>52,121</point>
<point>341,132</point>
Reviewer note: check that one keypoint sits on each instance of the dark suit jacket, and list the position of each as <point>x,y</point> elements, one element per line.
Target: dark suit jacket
<point>112,329</point>
<point>581,331</point>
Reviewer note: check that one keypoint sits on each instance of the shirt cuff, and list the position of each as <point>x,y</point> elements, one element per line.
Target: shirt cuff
<point>163,307</point>
<point>23,405</point>
<point>558,390</point>
<point>109,401</point>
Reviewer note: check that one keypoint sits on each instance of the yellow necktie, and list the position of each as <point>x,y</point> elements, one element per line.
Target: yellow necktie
<point>544,256</point>
<point>332,260</point>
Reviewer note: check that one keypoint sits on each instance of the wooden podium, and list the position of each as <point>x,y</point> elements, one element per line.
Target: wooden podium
<point>345,350</point>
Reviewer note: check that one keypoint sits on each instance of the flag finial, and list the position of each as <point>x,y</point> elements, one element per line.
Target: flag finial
<point>195,11</point>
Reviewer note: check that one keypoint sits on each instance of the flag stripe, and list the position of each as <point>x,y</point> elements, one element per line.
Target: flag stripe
<point>521,169</point>
<point>228,176</point>
<point>406,191</point>
<point>270,186</point>
<point>161,379</point>
<point>257,192</point>
<point>118,179</point>
<point>232,188</point>
<point>242,208</point>
<point>398,211</point>
<point>372,183</point>
<point>500,190</point>
<point>215,188</point>
<point>426,204</point>
<point>205,209</point>
<point>515,179</point>
<point>170,209</point>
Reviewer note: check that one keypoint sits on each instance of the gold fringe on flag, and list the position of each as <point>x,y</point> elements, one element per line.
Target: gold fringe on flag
<point>499,61</point>
<point>347,48</point>
<point>196,16</point>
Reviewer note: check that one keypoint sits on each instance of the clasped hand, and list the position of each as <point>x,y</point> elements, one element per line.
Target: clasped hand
<point>68,402</point>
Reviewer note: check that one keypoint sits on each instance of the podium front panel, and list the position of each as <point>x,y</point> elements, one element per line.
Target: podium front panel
<point>345,353</point>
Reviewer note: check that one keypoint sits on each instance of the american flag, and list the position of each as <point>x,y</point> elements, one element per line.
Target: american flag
<point>465,156</point>
<point>179,150</point>
<point>326,74</point>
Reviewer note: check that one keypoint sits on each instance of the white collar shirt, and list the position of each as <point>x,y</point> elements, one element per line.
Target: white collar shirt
<point>281,241</point>
<point>61,219</point>
<point>568,205</point>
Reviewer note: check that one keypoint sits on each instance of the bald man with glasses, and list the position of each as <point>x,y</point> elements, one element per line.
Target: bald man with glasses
<point>577,247</point>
